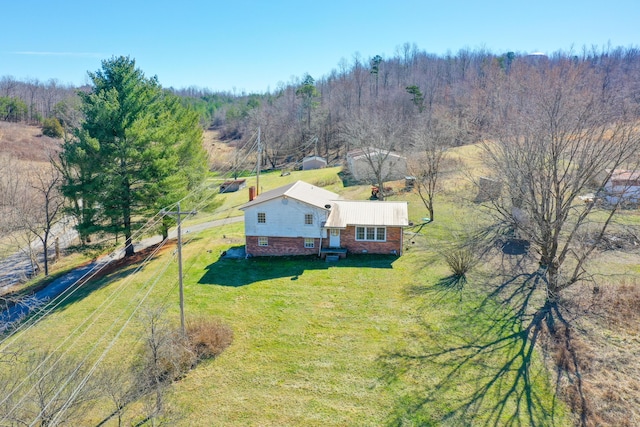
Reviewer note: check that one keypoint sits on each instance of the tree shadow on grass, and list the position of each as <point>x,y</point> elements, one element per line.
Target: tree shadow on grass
<point>479,366</point>
<point>242,272</point>
<point>454,282</point>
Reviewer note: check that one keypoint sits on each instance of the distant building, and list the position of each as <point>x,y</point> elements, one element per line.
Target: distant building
<point>536,58</point>
<point>362,163</point>
<point>623,185</point>
<point>313,162</point>
<point>233,185</point>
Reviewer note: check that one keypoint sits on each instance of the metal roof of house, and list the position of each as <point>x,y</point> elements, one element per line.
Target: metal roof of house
<point>322,159</point>
<point>372,213</point>
<point>623,176</point>
<point>299,190</point>
<point>359,153</point>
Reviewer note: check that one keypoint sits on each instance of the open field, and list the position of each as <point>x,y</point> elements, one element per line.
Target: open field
<point>26,143</point>
<point>314,343</point>
<point>366,341</point>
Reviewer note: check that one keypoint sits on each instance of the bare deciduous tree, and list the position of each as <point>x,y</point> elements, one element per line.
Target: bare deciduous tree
<point>375,137</point>
<point>31,204</point>
<point>48,207</point>
<point>559,141</point>
<point>164,358</point>
<point>52,392</point>
<point>431,142</point>
<point>114,383</point>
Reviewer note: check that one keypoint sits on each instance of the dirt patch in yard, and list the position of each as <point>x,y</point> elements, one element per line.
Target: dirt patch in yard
<point>136,259</point>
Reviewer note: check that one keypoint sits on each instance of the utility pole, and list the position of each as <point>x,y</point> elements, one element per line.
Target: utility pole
<point>259,164</point>
<point>178,215</point>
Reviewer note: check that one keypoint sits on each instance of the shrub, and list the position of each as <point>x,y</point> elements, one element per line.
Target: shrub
<point>52,127</point>
<point>460,261</point>
<point>208,338</point>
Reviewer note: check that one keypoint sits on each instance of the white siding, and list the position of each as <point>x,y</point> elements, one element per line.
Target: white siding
<point>285,218</point>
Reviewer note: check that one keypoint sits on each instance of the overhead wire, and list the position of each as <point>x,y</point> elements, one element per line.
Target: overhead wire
<point>70,290</point>
<point>101,309</point>
<point>82,323</point>
<point>111,343</point>
<point>103,355</point>
<point>86,278</point>
<point>105,351</point>
<point>43,311</point>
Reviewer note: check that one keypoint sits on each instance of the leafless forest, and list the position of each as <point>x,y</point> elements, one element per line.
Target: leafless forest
<point>469,91</point>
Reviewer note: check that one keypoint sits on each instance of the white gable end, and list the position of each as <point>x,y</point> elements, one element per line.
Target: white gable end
<point>284,217</point>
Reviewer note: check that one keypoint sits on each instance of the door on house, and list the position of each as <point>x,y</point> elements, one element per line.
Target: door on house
<point>334,238</point>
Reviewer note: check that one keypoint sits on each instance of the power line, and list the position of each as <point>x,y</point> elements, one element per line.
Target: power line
<point>86,278</point>
<point>101,309</point>
<point>110,345</point>
<point>70,290</point>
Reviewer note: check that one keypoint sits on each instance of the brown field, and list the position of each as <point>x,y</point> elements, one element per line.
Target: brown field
<point>26,143</point>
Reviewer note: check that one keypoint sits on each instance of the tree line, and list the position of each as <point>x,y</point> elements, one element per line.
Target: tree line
<point>413,102</point>
<point>410,88</point>
<point>135,149</point>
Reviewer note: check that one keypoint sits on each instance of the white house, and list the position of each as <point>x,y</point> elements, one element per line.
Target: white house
<point>287,220</point>
<point>313,162</point>
<point>623,185</point>
<point>362,161</point>
<point>302,219</point>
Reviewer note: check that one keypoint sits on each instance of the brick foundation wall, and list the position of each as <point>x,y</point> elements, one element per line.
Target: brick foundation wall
<point>280,246</point>
<point>393,242</point>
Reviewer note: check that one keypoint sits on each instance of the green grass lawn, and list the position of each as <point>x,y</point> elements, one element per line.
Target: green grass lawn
<point>366,341</point>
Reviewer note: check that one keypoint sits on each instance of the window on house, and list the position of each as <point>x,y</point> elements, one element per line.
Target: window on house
<point>262,217</point>
<point>308,219</point>
<point>263,241</point>
<point>371,234</point>
<point>309,242</point>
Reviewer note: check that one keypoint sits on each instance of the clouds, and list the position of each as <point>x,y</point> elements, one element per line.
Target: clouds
<point>61,54</point>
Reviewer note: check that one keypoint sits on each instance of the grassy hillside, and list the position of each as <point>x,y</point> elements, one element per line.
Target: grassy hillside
<point>365,341</point>
<point>314,343</point>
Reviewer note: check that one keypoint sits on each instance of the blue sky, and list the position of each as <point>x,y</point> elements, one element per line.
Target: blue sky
<point>253,46</point>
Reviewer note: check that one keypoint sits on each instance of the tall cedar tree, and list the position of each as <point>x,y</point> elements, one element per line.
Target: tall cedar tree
<point>137,148</point>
